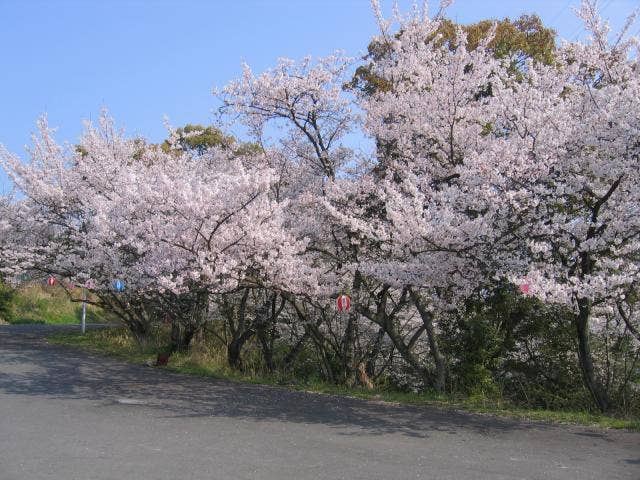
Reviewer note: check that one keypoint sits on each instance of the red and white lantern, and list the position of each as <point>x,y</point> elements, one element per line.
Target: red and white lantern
<point>343,303</point>
<point>51,281</point>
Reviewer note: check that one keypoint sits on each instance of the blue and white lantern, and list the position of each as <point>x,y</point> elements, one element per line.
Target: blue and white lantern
<point>118,285</point>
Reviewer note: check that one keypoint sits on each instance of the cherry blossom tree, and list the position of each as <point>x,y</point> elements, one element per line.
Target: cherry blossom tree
<point>480,176</point>
<point>168,224</point>
<point>425,230</point>
<point>307,102</point>
<point>571,137</point>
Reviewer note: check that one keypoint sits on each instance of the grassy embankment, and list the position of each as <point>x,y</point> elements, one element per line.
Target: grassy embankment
<point>211,363</point>
<point>37,303</point>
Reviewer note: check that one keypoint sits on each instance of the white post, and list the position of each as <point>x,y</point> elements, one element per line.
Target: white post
<point>84,310</point>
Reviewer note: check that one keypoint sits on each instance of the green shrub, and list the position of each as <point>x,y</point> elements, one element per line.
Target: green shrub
<point>6,297</point>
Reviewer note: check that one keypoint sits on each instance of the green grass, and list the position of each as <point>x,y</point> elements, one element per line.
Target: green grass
<point>208,362</point>
<point>114,342</point>
<point>35,303</point>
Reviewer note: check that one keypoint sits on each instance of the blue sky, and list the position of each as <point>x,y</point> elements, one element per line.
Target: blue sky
<point>146,59</point>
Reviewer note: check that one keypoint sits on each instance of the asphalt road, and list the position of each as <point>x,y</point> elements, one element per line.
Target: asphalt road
<point>67,415</point>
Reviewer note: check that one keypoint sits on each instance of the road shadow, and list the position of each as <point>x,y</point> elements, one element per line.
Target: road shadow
<point>31,367</point>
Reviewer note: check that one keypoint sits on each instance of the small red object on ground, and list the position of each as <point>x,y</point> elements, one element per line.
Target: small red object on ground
<point>162,360</point>
<point>51,281</point>
<point>525,289</point>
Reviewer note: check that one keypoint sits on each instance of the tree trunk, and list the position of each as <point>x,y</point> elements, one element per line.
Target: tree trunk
<point>374,353</point>
<point>386,322</point>
<point>434,349</point>
<point>267,348</point>
<point>181,336</point>
<point>349,363</point>
<point>584,355</point>
<point>234,349</point>
<point>296,349</point>
<point>140,333</point>
<point>406,353</point>
<point>266,321</point>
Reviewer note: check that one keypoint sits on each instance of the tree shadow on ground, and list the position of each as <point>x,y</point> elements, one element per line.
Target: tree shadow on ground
<point>31,367</point>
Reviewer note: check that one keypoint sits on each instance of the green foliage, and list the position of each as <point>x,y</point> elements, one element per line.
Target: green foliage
<point>6,297</point>
<point>506,345</point>
<point>199,138</point>
<point>516,41</point>
<point>247,149</point>
<point>543,371</point>
<point>81,150</point>
<point>618,354</point>
<point>475,340</point>
<point>522,39</point>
